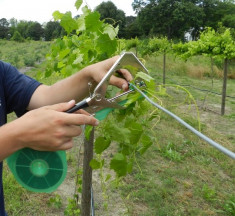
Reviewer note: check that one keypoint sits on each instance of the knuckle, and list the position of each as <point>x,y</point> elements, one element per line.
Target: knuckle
<point>58,121</point>
<point>57,143</point>
<point>59,133</point>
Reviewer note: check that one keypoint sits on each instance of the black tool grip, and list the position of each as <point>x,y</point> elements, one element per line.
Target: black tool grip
<point>80,105</point>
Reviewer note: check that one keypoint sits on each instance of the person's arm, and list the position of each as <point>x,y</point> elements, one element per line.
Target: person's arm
<point>44,129</point>
<point>50,128</point>
<point>76,86</point>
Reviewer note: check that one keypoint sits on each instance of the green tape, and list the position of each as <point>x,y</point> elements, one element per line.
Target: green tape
<point>102,114</point>
<point>38,171</point>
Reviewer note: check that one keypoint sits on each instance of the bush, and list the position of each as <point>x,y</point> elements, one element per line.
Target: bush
<point>17,37</point>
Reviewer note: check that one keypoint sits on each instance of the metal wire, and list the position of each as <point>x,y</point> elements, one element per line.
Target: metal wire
<point>204,90</point>
<point>199,134</point>
<point>92,203</point>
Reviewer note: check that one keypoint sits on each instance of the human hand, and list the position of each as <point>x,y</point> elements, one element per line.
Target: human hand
<point>50,129</point>
<point>97,72</point>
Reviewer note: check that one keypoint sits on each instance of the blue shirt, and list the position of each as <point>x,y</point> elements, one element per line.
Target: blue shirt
<point>16,90</point>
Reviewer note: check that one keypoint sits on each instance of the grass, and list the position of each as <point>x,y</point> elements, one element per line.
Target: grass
<point>181,174</point>
<point>23,54</point>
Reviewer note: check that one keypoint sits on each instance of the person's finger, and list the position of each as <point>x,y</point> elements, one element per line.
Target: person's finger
<point>119,82</point>
<point>126,74</point>
<point>109,62</point>
<point>62,106</point>
<point>71,131</point>
<point>82,111</point>
<point>67,145</point>
<point>79,119</point>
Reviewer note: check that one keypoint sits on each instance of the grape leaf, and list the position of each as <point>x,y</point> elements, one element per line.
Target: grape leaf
<point>57,15</point>
<point>101,144</point>
<point>78,4</point>
<point>146,142</point>
<point>95,164</point>
<point>88,130</point>
<point>68,23</point>
<point>119,164</point>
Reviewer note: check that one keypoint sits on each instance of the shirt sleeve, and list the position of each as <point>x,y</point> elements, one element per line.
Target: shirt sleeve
<point>19,89</point>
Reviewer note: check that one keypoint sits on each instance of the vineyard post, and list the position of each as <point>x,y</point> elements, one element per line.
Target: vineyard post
<point>87,175</point>
<point>164,68</point>
<point>224,86</point>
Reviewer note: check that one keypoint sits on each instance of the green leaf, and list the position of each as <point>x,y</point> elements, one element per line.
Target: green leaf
<point>92,21</point>
<point>60,65</point>
<point>68,23</point>
<point>101,144</point>
<point>78,4</point>
<point>144,76</point>
<point>88,130</point>
<point>108,177</point>
<point>64,53</point>
<point>117,133</point>
<point>67,71</point>
<point>81,24</point>
<point>105,45</point>
<point>119,164</point>
<point>57,15</point>
<point>136,129</point>
<point>79,59</point>
<point>95,164</point>
<point>146,142</point>
<point>111,31</point>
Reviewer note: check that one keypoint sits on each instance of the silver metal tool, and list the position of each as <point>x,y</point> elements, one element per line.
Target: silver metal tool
<point>99,98</point>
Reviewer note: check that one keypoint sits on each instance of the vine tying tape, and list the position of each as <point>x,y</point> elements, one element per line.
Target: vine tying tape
<point>199,134</point>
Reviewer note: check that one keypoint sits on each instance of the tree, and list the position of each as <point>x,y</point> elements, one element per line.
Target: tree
<point>131,29</point>
<point>22,28</point>
<point>35,30</point>
<point>4,28</point>
<point>111,15</point>
<point>52,30</point>
<point>13,24</point>
<point>170,18</point>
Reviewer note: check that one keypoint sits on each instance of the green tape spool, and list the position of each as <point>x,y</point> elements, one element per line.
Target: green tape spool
<point>41,171</point>
<point>38,171</point>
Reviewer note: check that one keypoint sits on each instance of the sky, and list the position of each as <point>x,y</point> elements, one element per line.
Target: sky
<point>41,10</point>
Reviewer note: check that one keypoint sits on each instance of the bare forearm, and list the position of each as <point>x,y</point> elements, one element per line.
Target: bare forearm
<point>44,129</point>
<point>73,87</point>
<point>76,87</point>
<point>8,140</point>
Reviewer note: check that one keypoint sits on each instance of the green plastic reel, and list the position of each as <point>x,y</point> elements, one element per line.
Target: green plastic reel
<point>41,171</point>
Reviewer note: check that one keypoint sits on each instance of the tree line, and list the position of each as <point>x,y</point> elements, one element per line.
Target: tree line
<point>161,18</point>
<point>21,30</point>
<point>170,18</point>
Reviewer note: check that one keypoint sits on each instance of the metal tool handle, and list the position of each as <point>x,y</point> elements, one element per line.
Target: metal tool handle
<point>80,105</point>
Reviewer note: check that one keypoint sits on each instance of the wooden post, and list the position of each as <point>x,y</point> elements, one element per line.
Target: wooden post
<point>164,69</point>
<point>224,86</point>
<point>87,175</point>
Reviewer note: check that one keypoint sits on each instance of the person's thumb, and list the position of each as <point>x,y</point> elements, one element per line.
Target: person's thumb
<point>62,107</point>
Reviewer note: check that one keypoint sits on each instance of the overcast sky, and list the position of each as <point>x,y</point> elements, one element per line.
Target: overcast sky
<point>41,10</point>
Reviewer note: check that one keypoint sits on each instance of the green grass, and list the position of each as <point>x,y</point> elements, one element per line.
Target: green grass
<point>181,174</point>
<point>23,54</point>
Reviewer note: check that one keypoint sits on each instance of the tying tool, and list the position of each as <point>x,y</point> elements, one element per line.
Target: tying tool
<point>99,100</point>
